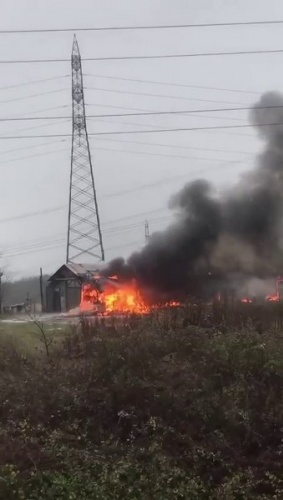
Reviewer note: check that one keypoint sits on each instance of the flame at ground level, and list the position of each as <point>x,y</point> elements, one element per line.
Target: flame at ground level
<point>121,298</point>
<point>273,297</point>
<point>117,298</point>
<point>125,299</point>
<point>246,300</point>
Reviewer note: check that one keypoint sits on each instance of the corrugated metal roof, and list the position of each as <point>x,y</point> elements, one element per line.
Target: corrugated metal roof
<point>82,269</point>
<point>79,269</point>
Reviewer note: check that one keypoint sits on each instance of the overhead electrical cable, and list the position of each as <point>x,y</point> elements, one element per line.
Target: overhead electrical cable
<point>145,27</point>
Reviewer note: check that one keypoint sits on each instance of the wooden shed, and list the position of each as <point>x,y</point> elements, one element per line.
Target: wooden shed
<point>63,291</point>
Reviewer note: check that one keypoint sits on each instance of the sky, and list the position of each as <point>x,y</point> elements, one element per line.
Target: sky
<point>135,175</point>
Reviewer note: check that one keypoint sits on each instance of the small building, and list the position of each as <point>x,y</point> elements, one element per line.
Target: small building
<point>63,291</point>
<point>15,308</point>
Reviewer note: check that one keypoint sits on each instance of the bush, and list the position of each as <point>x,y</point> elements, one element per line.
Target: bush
<point>144,408</point>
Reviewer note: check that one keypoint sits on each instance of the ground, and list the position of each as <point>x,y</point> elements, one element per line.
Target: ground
<point>23,331</point>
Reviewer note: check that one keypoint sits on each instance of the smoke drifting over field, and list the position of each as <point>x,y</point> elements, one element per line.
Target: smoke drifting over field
<point>235,234</point>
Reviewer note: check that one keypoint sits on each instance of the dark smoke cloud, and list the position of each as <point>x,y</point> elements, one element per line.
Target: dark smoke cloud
<point>238,233</point>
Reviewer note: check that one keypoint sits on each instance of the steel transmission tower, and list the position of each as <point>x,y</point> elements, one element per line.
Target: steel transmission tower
<point>84,240</point>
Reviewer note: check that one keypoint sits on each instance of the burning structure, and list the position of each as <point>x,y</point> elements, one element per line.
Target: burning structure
<point>65,286</point>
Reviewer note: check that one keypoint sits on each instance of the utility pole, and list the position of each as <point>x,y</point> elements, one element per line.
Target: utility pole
<point>84,239</point>
<point>146,231</point>
<point>1,305</point>
<point>41,289</point>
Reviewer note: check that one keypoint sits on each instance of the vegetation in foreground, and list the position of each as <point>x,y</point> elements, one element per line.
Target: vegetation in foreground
<point>152,408</point>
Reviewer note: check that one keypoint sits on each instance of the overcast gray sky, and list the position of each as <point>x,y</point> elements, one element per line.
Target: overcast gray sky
<point>135,174</point>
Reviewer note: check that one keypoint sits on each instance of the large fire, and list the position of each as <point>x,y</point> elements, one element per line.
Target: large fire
<point>126,298</point>
<point>116,298</point>
<point>123,298</point>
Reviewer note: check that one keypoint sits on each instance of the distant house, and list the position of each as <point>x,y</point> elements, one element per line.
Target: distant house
<point>63,291</point>
<point>15,308</point>
<point>22,307</point>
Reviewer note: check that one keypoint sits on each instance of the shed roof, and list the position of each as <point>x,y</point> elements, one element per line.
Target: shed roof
<point>82,269</point>
<point>75,269</point>
<point>22,304</point>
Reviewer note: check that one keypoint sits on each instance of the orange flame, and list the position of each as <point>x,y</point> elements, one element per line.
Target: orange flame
<point>246,300</point>
<point>89,299</point>
<point>272,298</point>
<point>123,299</point>
<point>173,303</point>
<point>117,298</point>
<point>276,296</point>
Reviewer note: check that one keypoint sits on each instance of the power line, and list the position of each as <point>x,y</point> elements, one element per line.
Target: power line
<point>217,118</point>
<point>167,155</point>
<point>32,214</point>
<point>33,82</point>
<point>35,118</point>
<point>59,245</point>
<point>33,244</point>
<point>42,244</point>
<point>32,247</point>
<point>154,82</point>
<point>180,129</point>
<point>201,116</point>
<point>113,221</point>
<point>31,147</point>
<point>147,94</point>
<point>63,106</point>
<point>131,124</point>
<point>128,227</point>
<point>138,109</point>
<point>64,207</point>
<point>139,188</point>
<point>38,111</point>
<point>175,146</point>
<point>168,179</point>
<point>111,195</point>
<point>33,250</point>
<point>159,127</point>
<point>12,160</point>
<point>145,113</point>
<point>185,111</point>
<point>55,243</point>
<point>146,57</point>
<point>150,111</point>
<point>35,127</point>
<point>33,95</point>
<point>124,245</point>
<point>144,27</point>
<point>120,132</point>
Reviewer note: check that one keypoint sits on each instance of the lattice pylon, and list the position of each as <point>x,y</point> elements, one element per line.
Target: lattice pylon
<point>84,240</point>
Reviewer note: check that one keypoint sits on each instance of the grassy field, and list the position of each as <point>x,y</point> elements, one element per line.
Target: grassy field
<point>178,405</point>
<point>26,335</point>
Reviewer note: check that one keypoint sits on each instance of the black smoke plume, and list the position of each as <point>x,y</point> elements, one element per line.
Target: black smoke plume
<point>234,236</point>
